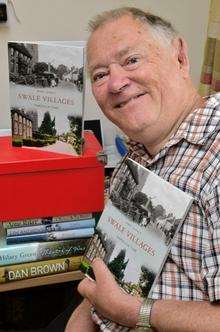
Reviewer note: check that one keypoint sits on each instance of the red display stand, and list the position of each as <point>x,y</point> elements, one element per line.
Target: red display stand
<point>40,184</point>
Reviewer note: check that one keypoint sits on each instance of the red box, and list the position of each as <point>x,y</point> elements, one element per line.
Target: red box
<point>39,184</point>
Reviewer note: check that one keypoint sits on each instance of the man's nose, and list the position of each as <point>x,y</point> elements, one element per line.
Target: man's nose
<point>118,78</point>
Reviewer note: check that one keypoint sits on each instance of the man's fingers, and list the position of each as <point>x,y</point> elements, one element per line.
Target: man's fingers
<point>101,271</point>
<point>87,288</point>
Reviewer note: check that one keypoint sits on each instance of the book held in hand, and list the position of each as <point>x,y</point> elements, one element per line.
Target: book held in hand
<point>137,227</point>
<point>46,85</point>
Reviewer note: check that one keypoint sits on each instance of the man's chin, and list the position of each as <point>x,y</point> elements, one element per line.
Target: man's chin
<point>133,132</point>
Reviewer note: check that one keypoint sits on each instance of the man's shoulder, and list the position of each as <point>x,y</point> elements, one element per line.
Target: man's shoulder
<point>213,102</point>
<point>203,124</point>
<point>215,96</point>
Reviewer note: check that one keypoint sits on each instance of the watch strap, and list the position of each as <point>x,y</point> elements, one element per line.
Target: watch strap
<point>143,323</point>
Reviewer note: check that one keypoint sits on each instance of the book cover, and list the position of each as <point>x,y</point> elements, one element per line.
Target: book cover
<point>37,251</point>
<point>38,269</point>
<point>52,227</point>
<point>52,236</point>
<point>46,83</point>
<point>137,227</point>
<point>45,221</point>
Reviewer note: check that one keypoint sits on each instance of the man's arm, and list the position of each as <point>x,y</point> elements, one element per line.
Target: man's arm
<point>81,320</point>
<point>187,316</point>
<point>167,315</point>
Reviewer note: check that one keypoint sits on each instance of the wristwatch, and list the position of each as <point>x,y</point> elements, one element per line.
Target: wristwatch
<point>143,324</point>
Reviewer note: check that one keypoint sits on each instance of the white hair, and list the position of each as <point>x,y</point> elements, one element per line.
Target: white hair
<point>160,28</point>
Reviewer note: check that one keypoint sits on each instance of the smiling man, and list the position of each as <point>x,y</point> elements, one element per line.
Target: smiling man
<point>138,78</point>
<point>139,71</point>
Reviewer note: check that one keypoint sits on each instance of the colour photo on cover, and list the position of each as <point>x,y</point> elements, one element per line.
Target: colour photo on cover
<point>46,82</point>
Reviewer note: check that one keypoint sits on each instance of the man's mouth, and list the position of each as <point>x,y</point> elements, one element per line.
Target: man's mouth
<point>120,105</point>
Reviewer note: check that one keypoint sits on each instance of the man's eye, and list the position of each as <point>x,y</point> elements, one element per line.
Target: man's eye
<point>132,62</point>
<point>99,76</point>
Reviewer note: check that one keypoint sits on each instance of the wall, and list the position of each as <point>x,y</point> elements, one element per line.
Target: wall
<point>67,20</point>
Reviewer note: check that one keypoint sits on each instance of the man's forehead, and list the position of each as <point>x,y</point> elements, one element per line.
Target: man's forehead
<point>115,42</point>
<point>116,29</point>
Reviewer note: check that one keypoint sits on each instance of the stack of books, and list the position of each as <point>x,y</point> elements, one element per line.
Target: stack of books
<point>37,247</point>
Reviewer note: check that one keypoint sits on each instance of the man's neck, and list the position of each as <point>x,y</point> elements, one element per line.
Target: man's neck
<point>195,101</point>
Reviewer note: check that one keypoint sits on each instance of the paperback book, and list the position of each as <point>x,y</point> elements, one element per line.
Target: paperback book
<point>137,227</point>
<point>38,251</point>
<point>52,236</point>
<point>46,83</point>
<point>52,227</point>
<point>39,269</point>
<point>45,221</point>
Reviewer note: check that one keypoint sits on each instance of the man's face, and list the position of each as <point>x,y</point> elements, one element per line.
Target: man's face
<point>136,79</point>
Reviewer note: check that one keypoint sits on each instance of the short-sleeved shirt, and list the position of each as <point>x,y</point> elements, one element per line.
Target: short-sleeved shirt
<point>191,161</point>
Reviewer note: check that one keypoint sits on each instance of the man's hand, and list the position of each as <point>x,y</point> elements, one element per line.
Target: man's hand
<point>108,298</point>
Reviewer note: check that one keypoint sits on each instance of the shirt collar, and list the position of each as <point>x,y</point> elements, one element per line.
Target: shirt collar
<point>196,128</point>
<point>200,124</point>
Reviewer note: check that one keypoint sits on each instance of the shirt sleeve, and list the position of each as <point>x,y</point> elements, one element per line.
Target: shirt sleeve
<point>211,258</point>
<point>106,325</point>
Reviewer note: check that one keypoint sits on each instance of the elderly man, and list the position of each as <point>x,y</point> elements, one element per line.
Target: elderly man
<point>139,70</point>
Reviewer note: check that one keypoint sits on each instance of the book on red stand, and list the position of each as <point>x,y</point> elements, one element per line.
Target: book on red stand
<point>46,85</point>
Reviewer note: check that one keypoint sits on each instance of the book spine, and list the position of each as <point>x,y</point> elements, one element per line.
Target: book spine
<point>27,252</point>
<point>53,227</point>
<point>43,221</point>
<point>70,217</point>
<point>53,236</point>
<point>22,223</point>
<point>38,269</point>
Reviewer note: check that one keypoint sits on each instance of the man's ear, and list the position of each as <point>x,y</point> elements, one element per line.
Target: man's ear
<point>181,53</point>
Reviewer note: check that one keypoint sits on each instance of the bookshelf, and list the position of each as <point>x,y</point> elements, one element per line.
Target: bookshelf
<point>41,281</point>
<point>60,184</point>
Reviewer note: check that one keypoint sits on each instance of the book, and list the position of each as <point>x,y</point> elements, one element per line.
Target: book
<point>53,227</point>
<point>70,217</point>
<point>53,236</point>
<point>45,220</point>
<point>46,85</point>
<point>137,227</point>
<point>37,251</point>
<point>38,269</point>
